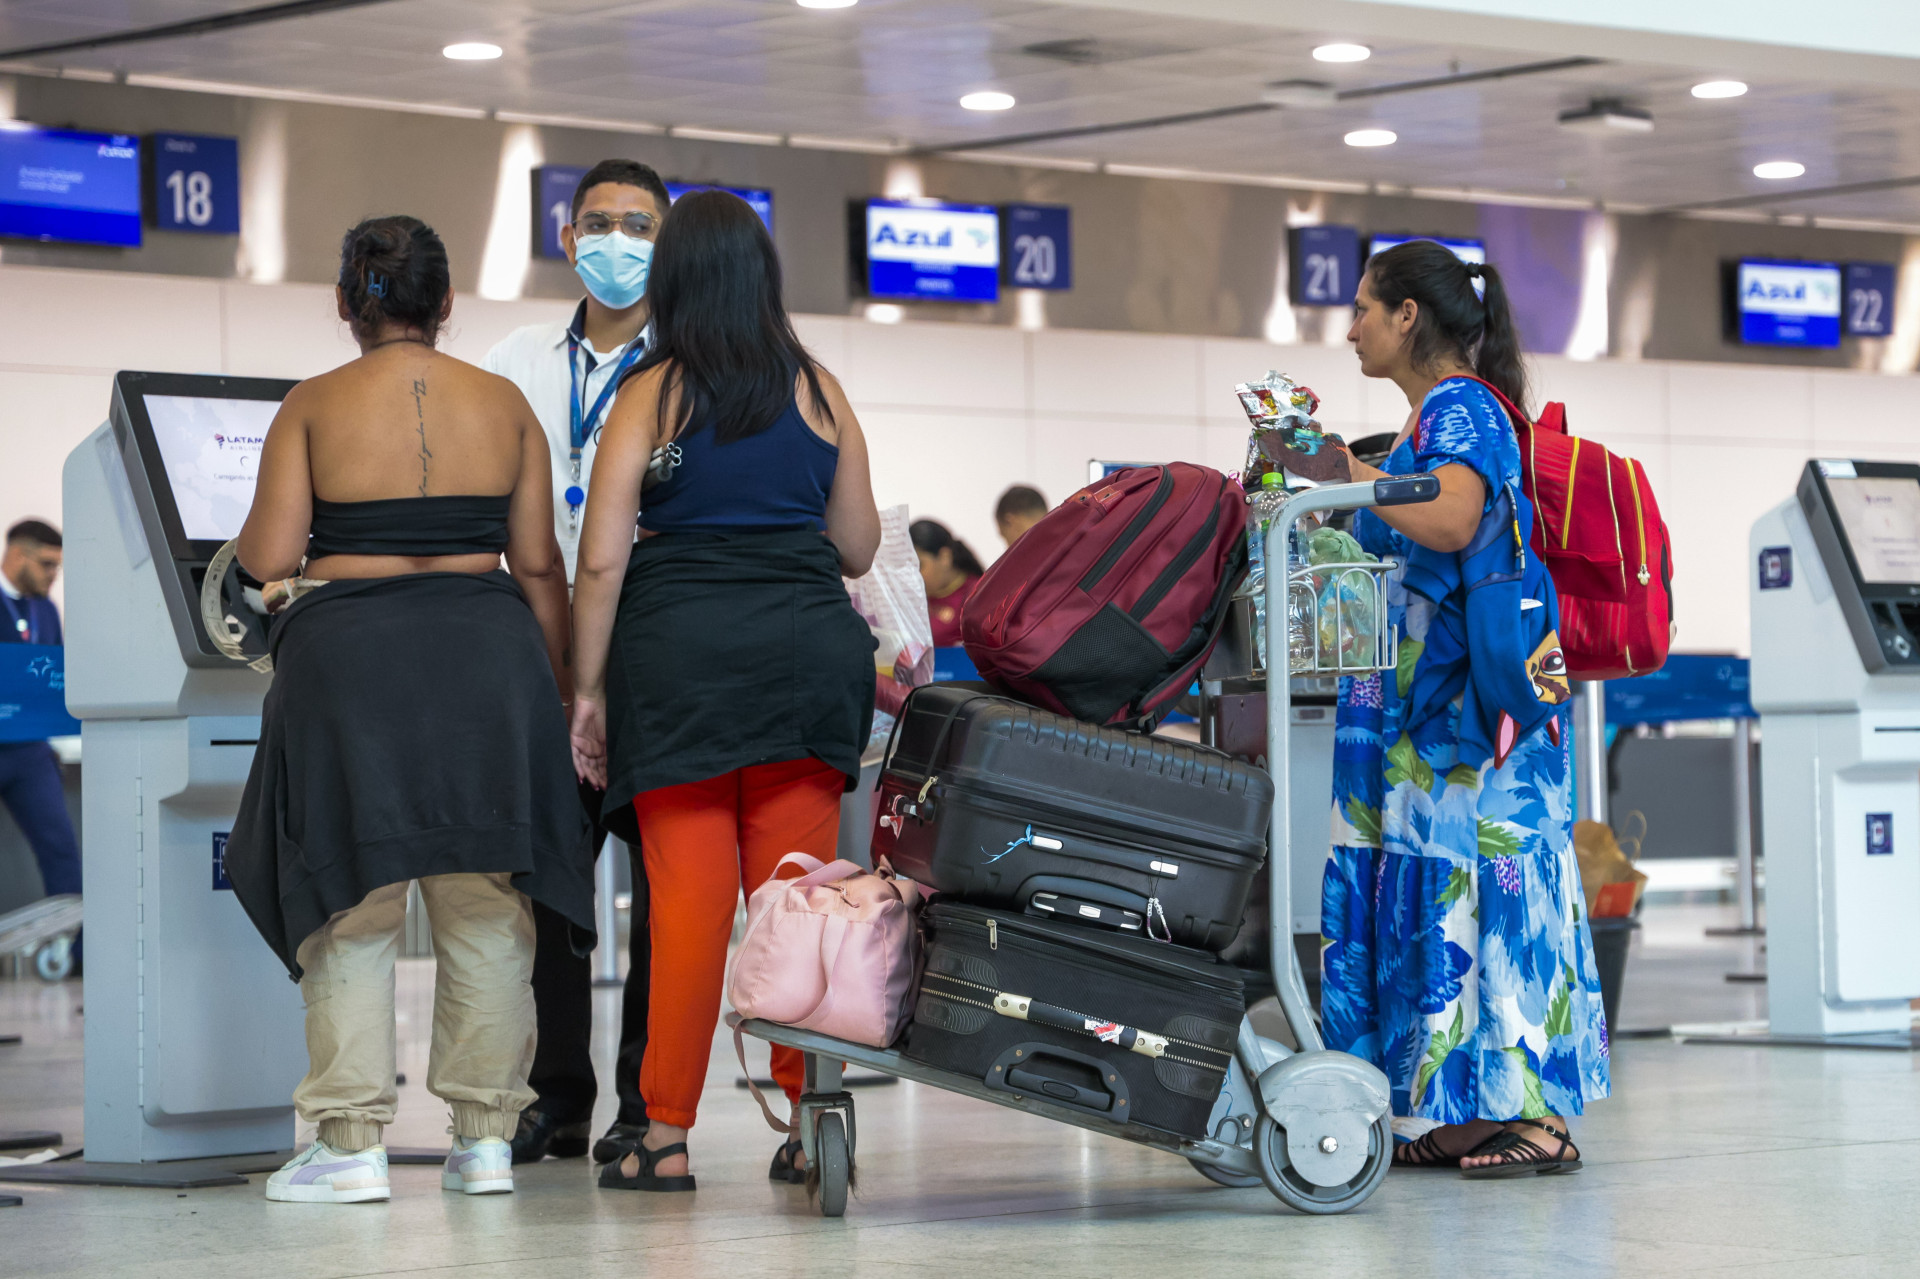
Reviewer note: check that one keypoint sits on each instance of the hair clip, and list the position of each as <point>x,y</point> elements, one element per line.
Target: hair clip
<point>376,284</point>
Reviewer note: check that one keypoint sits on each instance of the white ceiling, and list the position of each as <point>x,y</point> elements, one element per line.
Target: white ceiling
<point>891,72</point>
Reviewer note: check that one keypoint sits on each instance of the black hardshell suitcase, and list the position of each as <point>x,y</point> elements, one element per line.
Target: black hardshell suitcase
<point>1001,803</point>
<point>1134,1030</point>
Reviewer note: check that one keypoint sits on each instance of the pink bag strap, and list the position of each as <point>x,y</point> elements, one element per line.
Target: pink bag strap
<point>819,872</point>
<point>740,1051</point>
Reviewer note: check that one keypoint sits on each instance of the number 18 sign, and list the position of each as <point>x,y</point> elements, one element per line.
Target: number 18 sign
<point>196,183</point>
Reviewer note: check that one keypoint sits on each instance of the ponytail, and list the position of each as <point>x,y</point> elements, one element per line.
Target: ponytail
<point>933,537</point>
<point>1455,323</point>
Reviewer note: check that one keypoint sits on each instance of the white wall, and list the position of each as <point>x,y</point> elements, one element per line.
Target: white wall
<point>956,412</point>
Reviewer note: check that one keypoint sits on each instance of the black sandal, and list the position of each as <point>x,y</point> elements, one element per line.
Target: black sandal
<point>1519,1157</point>
<point>783,1169</point>
<point>1424,1152</point>
<point>611,1178</point>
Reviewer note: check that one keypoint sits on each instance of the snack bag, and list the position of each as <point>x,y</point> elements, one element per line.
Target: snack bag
<point>1285,436</point>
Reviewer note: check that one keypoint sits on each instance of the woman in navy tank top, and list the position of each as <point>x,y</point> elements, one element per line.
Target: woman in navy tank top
<point>724,683</point>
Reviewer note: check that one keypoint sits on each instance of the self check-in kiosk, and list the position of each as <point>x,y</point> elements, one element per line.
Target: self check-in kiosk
<point>194,1034</point>
<point>1836,679</point>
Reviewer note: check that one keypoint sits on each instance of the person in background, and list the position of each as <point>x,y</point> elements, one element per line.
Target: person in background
<point>1457,957</point>
<point>1019,509</point>
<point>29,772</point>
<point>951,571</point>
<point>569,373</point>
<point>725,682</point>
<point>416,727</point>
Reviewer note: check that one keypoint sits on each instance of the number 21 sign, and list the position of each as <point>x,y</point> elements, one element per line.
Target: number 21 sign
<point>1325,265</point>
<point>195,183</point>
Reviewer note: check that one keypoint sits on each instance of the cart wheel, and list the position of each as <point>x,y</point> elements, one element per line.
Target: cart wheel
<point>54,961</point>
<point>830,1141</point>
<point>1288,1186</point>
<point>1221,1177</point>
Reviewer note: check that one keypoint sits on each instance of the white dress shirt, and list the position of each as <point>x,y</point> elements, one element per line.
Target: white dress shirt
<point>534,358</point>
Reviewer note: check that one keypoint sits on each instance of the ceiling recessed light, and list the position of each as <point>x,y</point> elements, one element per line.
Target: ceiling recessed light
<point>827,4</point>
<point>1372,138</point>
<point>1342,53</point>
<point>1720,89</point>
<point>987,100</point>
<point>1776,170</point>
<point>472,51</point>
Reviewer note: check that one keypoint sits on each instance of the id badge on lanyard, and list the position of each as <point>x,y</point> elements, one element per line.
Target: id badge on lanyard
<point>22,625</point>
<point>583,421</point>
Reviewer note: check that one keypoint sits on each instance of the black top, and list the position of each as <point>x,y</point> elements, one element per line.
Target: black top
<point>462,524</point>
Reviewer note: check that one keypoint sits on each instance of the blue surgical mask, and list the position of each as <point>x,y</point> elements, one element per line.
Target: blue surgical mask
<point>614,267</point>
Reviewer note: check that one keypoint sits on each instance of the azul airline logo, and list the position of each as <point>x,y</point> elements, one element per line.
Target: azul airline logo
<point>1790,289</point>
<point>953,235</point>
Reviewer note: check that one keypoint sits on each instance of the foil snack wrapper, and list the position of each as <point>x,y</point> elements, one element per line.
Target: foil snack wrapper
<point>1285,435</point>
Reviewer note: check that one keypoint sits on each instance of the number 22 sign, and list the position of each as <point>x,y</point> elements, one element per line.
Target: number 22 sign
<point>1869,299</point>
<point>195,183</point>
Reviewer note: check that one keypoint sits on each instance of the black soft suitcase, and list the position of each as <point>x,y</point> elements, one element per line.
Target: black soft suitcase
<point>1131,1029</point>
<point>1009,805</point>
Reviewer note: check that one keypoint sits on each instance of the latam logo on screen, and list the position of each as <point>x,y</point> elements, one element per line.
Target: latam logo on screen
<point>240,441</point>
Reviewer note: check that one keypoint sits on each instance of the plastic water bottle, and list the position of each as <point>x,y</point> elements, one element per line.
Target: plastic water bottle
<point>1265,503</point>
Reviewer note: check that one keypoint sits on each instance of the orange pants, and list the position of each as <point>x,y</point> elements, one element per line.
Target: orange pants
<point>689,836</point>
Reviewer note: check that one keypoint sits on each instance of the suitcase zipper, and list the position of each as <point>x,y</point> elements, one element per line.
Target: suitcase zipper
<point>1104,565</point>
<point>993,934</point>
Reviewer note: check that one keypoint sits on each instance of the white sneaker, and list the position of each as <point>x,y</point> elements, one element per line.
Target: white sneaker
<point>483,1167</point>
<point>324,1175</point>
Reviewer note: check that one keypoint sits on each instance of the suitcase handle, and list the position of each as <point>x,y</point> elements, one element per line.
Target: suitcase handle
<point>1065,1077</point>
<point>1024,1008</point>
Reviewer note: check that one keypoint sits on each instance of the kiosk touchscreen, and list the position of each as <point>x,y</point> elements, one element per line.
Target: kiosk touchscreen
<point>191,445</point>
<point>194,1034</point>
<point>1835,597</point>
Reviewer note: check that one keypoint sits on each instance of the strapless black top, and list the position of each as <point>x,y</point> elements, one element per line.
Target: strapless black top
<point>462,524</point>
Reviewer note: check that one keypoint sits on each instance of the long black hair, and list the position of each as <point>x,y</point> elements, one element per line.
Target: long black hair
<point>1454,322</point>
<point>394,270</point>
<point>719,325</point>
<point>933,537</point>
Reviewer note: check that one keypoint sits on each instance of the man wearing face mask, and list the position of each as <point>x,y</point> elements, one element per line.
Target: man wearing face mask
<point>569,373</point>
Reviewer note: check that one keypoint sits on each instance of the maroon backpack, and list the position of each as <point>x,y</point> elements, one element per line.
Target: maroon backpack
<point>1105,609</point>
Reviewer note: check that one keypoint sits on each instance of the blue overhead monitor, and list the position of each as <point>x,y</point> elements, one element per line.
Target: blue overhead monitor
<point>76,188</point>
<point>1787,303</point>
<point>1465,250</point>
<point>758,199</point>
<point>929,250</point>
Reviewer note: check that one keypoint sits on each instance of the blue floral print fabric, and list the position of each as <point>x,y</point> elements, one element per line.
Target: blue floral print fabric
<point>1456,954</point>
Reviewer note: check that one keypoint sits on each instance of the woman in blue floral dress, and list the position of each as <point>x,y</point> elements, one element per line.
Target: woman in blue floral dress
<point>1457,956</point>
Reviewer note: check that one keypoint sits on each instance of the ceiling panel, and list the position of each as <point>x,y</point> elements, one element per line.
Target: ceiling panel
<point>892,71</point>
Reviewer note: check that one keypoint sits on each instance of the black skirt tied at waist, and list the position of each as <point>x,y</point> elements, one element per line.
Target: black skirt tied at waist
<point>733,649</point>
<point>413,728</point>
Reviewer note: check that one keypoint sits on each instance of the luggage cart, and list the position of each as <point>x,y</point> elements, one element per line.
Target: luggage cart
<point>44,930</point>
<point>1311,1124</point>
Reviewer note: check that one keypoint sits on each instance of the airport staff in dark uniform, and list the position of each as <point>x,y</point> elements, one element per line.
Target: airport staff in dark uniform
<point>29,773</point>
<point>568,373</point>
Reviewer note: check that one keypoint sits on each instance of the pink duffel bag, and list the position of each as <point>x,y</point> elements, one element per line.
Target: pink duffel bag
<point>836,950</point>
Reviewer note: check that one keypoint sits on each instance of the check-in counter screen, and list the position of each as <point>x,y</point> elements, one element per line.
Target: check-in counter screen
<point>211,449</point>
<point>1880,516</point>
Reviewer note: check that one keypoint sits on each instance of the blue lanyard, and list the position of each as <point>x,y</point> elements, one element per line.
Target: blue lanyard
<point>581,419</point>
<point>22,626</point>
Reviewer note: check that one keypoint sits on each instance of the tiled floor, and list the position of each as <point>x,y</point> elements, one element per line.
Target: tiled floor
<point>1708,1161</point>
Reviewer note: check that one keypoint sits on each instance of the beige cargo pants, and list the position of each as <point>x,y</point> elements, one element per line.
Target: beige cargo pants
<point>483,1027</point>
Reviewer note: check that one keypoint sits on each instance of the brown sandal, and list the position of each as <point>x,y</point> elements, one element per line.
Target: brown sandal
<point>1519,1157</point>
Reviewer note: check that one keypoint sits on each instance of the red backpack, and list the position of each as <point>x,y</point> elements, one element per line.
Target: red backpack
<point>1107,607</point>
<point>1599,532</point>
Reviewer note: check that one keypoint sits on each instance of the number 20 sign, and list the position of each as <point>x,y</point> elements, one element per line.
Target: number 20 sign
<point>195,183</point>
<point>1036,246</point>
